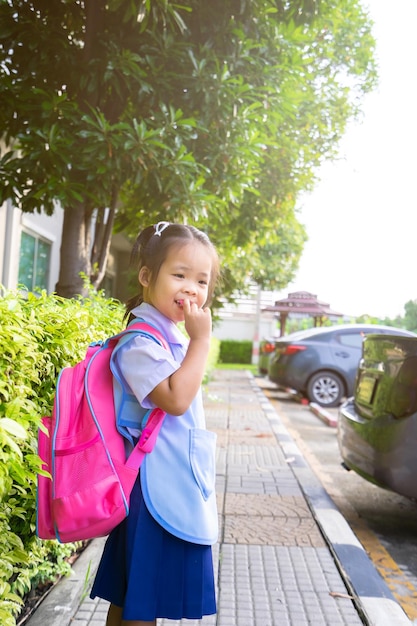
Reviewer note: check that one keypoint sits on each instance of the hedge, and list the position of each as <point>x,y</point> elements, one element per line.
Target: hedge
<point>40,334</point>
<point>233,351</point>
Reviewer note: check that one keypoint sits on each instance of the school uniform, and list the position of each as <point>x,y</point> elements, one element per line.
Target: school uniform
<point>158,562</point>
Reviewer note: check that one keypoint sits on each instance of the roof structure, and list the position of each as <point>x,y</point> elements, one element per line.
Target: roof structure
<point>302,302</point>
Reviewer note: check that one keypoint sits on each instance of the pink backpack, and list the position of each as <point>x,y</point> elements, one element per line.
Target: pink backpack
<point>82,450</point>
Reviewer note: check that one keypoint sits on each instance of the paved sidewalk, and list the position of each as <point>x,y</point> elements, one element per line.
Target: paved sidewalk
<point>285,555</point>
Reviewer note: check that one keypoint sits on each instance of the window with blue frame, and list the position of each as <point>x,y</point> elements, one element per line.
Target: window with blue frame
<point>34,262</point>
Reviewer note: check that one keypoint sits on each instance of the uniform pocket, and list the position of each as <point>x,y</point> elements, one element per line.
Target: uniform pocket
<point>203,459</point>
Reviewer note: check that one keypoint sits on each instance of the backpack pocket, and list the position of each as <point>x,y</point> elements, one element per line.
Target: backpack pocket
<point>44,520</point>
<point>203,459</point>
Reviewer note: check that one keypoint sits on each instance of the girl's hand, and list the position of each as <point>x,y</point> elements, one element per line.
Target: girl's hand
<point>175,394</point>
<point>197,321</point>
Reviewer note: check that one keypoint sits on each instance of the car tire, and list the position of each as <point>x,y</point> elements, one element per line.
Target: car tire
<point>325,389</point>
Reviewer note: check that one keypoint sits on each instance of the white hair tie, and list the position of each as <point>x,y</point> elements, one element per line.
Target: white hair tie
<point>160,227</point>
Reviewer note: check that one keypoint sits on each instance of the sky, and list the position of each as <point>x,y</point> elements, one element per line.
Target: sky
<point>361,218</point>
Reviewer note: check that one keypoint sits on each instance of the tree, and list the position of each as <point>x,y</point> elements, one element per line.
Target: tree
<point>216,113</point>
<point>410,318</point>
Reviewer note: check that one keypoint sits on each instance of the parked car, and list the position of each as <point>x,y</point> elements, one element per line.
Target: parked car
<point>377,428</point>
<point>266,348</point>
<point>321,363</point>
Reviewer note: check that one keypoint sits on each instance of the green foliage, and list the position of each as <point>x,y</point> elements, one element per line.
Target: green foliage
<point>410,318</point>
<point>213,358</point>
<point>196,112</point>
<point>232,351</point>
<point>238,366</point>
<point>295,324</point>
<point>40,334</point>
<point>397,322</point>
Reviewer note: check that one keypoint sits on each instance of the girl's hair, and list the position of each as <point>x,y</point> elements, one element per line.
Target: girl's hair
<point>151,249</point>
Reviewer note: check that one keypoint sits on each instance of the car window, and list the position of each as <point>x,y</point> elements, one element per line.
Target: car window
<point>354,340</point>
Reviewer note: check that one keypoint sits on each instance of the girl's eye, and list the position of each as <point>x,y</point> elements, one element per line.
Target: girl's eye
<point>203,282</point>
<point>179,275</point>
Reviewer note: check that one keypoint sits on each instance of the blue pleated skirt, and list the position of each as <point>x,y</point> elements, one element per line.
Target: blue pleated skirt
<point>151,573</point>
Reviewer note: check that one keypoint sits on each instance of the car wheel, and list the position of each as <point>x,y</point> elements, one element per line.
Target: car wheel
<point>326,389</point>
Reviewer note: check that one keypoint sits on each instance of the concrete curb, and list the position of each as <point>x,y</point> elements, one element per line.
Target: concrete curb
<point>61,604</point>
<point>371,595</point>
<point>324,415</point>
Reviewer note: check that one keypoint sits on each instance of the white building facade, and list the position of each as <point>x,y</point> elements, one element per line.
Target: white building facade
<point>29,248</point>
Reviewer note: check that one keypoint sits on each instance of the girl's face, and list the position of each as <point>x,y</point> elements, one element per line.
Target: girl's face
<point>185,274</point>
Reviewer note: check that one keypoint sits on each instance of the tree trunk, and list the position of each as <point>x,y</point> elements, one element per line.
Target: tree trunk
<point>75,252</point>
<point>102,240</point>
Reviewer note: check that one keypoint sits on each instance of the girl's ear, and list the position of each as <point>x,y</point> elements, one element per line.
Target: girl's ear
<point>144,276</point>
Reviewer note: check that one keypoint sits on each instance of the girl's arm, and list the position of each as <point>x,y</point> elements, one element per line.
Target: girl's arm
<point>175,394</point>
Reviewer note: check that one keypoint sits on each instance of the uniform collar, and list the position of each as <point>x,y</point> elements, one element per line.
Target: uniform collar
<point>168,328</point>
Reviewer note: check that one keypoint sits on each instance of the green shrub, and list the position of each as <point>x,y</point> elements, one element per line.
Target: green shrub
<point>232,351</point>
<point>213,358</point>
<point>40,335</point>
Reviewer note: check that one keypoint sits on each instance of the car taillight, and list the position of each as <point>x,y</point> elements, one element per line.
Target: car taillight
<point>269,347</point>
<point>293,349</point>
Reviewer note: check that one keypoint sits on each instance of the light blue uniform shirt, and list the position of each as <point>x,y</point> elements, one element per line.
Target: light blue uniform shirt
<point>178,476</point>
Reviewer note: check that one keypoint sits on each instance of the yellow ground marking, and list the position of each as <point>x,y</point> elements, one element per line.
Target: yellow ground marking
<point>403,590</point>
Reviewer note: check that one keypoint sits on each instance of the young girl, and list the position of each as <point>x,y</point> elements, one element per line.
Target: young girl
<point>158,562</point>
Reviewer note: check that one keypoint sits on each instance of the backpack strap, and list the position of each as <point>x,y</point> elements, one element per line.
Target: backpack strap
<point>154,417</point>
<point>142,328</point>
<point>147,439</point>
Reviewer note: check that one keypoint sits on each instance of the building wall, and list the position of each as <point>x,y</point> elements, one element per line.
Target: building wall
<point>3,237</point>
<point>244,328</point>
<point>12,223</point>
<point>118,267</point>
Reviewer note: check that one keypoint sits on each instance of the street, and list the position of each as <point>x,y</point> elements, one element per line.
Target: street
<point>385,523</point>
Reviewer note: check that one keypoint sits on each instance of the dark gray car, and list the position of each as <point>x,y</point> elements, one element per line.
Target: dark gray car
<point>321,363</point>
<point>377,428</point>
